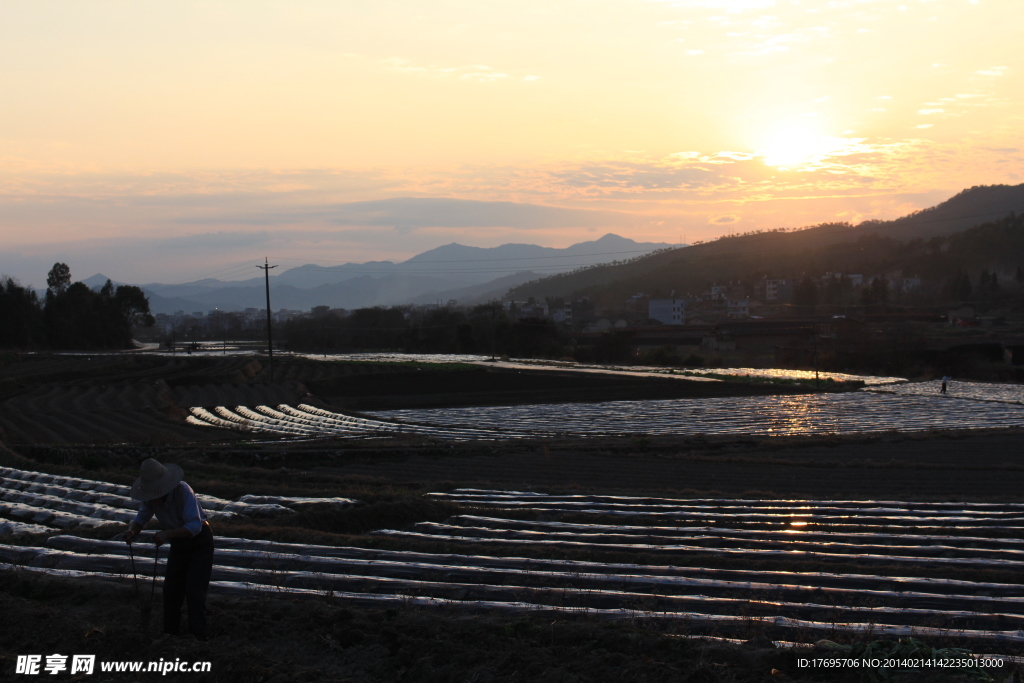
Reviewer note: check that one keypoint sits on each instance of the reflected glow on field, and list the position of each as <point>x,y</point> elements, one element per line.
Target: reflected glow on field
<point>782,373</point>
<point>976,391</point>
<point>841,413</point>
<point>768,373</point>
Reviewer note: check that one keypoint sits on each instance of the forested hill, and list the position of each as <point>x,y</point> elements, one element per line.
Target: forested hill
<point>934,244</point>
<point>967,209</point>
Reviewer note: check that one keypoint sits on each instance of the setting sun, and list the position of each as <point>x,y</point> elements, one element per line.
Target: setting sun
<point>796,146</point>
<point>254,129</point>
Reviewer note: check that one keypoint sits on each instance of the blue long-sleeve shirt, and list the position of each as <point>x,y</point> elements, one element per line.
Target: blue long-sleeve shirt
<point>179,509</point>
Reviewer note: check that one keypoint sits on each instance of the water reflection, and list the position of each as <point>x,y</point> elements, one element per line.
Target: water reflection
<point>810,375</point>
<point>978,391</point>
<point>768,373</point>
<point>842,413</point>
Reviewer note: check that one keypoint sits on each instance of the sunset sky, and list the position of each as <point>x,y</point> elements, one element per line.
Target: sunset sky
<point>163,141</point>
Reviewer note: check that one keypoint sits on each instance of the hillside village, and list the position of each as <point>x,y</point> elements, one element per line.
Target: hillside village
<point>931,294</point>
<point>838,321</point>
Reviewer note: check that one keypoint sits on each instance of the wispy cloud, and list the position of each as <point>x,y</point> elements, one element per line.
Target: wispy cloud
<point>642,177</point>
<point>480,73</point>
<point>734,6</point>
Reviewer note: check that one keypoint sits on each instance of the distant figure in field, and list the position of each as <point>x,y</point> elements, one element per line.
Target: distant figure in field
<point>945,381</point>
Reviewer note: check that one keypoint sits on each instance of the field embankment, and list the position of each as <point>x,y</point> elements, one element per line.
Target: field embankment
<point>134,398</point>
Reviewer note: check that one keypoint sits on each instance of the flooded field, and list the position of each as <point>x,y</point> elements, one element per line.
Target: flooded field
<point>316,487</point>
<point>896,408</point>
<point>977,391</point>
<point>844,413</point>
<point>767,373</point>
<point>782,373</point>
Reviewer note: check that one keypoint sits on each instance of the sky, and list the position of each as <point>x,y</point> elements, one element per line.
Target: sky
<point>167,141</point>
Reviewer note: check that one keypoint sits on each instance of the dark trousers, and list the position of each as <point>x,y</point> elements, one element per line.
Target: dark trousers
<point>188,577</point>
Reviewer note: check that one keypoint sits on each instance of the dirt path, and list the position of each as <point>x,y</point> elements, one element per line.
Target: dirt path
<point>489,386</point>
<point>971,467</point>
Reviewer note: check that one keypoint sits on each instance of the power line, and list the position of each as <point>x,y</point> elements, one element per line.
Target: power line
<point>226,271</point>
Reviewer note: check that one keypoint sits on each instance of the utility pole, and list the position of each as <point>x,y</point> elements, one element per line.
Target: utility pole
<point>270,340</point>
<point>494,329</point>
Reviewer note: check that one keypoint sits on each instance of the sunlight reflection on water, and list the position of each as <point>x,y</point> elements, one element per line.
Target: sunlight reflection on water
<point>770,373</point>
<point>978,391</point>
<point>842,413</point>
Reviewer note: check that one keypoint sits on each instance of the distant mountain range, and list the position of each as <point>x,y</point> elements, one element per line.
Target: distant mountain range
<point>778,253</point>
<point>475,275</point>
<point>454,271</point>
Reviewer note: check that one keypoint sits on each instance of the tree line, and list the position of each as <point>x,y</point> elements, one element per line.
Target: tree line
<point>485,329</point>
<point>70,315</point>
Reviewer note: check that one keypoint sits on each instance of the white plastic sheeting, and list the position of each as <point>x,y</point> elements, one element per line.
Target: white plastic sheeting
<point>564,366</point>
<point>233,565</point>
<point>702,597</point>
<point>257,572</point>
<point>41,502</point>
<point>839,413</point>
<point>309,422</point>
<point>975,391</point>
<point>823,538</point>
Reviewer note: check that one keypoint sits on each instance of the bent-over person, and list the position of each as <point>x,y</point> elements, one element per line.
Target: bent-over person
<point>164,494</point>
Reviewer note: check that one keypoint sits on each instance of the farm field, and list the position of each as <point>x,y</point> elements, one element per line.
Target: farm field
<point>375,556</point>
<point>812,414</point>
<point>663,566</point>
<point>118,398</point>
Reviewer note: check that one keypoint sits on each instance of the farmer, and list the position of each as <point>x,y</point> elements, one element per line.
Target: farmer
<point>164,494</point>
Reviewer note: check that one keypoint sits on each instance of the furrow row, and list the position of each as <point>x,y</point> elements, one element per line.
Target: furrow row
<point>311,422</point>
<point>1007,521</point>
<point>734,504</point>
<point>498,538</point>
<point>261,573</point>
<point>826,538</point>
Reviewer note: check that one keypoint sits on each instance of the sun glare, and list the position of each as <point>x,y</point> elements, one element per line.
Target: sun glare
<point>795,146</point>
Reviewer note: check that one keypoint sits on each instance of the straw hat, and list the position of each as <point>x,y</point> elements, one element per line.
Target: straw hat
<point>156,480</point>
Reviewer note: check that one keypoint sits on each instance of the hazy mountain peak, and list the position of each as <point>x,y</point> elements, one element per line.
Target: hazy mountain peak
<point>452,269</point>
<point>96,281</point>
